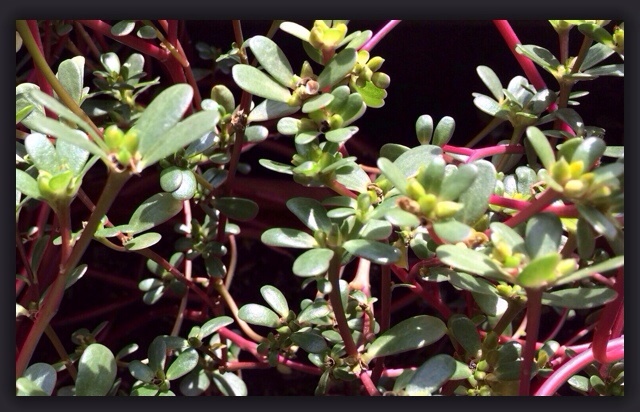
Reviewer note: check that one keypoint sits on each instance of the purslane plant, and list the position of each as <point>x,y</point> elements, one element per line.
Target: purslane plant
<point>534,221</point>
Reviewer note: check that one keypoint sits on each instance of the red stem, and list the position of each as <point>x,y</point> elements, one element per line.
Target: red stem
<point>368,384</point>
<point>42,81</point>
<point>420,291</point>
<point>602,333</point>
<point>527,65</point>
<point>560,211</point>
<point>494,150</point>
<point>371,43</point>
<point>537,205</point>
<point>534,306</point>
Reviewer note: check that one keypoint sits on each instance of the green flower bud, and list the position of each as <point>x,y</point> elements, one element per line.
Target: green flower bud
<point>427,203</point>
<point>123,156</point>
<point>575,188</point>
<point>307,71</point>
<point>363,56</point>
<point>113,137</point>
<point>447,209</point>
<point>366,73</point>
<point>130,141</point>
<point>415,190</point>
<point>364,202</point>
<point>482,366</point>
<point>560,171</point>
<point>381,80</point>
<point>375,63</point>
<point>335,122</point>
<point>479,375</point>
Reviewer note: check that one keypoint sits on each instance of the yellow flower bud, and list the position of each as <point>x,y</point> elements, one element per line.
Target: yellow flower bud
<point>427,203</point>
<point>447,209</point>
<point>381,80</point>
<point>375,63</point>
<point>415,190</point>
<point>113,137</point>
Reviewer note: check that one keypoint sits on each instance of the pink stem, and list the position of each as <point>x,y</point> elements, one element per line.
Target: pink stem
<point>494,150</point>
<point>380,35</point>
<point>527,65</point>
<point>561,211</point>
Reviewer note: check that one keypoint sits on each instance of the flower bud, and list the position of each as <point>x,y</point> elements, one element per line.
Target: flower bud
<point>375,63</point>
<point>130,141</point>
<point>575,188</point>
<point>447,209</point>
<point>113,137</point>
<point>560,171</point>
<point>335,122</point>
<point>381,80</point>
<point>427,203</point>
<point>415,190</point>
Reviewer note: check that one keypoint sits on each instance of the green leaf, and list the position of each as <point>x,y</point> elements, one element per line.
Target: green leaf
<point>376,230</point>
<point>195,383</point>
<point>155,210</point>
<point>491,80</point>
<point>540,271</point>
<point>254,81</point>
<point>464,331</point>
<point>353,179</point>
<point>444,131</point>
<point>229,384</point>
<point>157,354</point>
<point>341,135</point>
<point>353,109</point>
<point>587,271</point>
<point>542,147</point>
<point>471,283</point>
<point>43,153</point>
<point>184,363</point>
<point>469,260</point>
<point>393,174</point>
<point>590,150</point>
<point>185,132</point>
<point>476,198</point>
<point>579,383</point>
<point>313,262</point>
<point>597,53</point>
<point>43,376</point>
<point>317,309</point>
<point>255,134</point>
<point>431,375</point>
<point>310,341</point>
<point>600,222</point>
<point>452,231</point>
<point>143,241</point>
<point>214,266</point>
<point>75,275</point>
<point>424,129</point>
<point>296,30</point>
<point>402,218</point>
<point>71,76</point>
<point>596,32</point>
<point>543,234</point>
<point>579,298</point>
<point>310,212</point>
<point>293,238</point>
<point>413,333</point>
<point>275,299</point>
<point>376,252</point>
<point>74,157</point>
<point>539,55</point>
<point>162,114</point>
<point>25,102</point>
<point>146,32</point>
<point>458,181</point>
<point>25,387</point>
<point>140,371</point>
<point>503,233</point>
<point>270,109</point>
<point>27,184</point>
<point>372,95</point>
<point>317,102</point>
<point>258,315</point>
<point>273,60</point>
<point>338,67</point>
<point>237,208</point>
<point>96,371</point>
<point>123,27</point>
<point>276,166</point>
<point>410,161</point>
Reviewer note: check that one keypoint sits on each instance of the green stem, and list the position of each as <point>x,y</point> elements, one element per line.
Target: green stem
<point>336,304</point>
<point>231,304</point>
<point>518,131</point>
<point>41,63</point>
<point>534,306</point>
<point>52,300</point>
<point>53,337</point>
<point>495,122</point>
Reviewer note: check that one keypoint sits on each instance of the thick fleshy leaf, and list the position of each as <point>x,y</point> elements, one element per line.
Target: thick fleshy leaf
<point>26,184</point>
<point>589,151</point>
<point>214,266</point>
<point>539,55</point>
<point>587,271</point>
<point>162,114</point>
<point>295,30</point>
<point>376,252</point>
<point>452,231</point>
<point>212,325</point>
<point>337,68</point>
<point>597,53</point>
<point>237,208</point>
<point>111,62</point>
<point>353,109</point>
<point>471,283</point>
<point>606,70</point>
<point>273,60</point>
<point>539,272</point>
<point>157,354</point>
<point>503,233</point>
<point>424,129</point>
<point>468,260</point>
<point>310,341</point>
<point>543,234</point>
<point>25,387</point>
<point>313,262</point>
<point>413,333</point>
<point>476,198</point>
<point>341,135</point>
<point>143,241</point>
<point>491,80</point>
<point>43,153</point>
<point>72,156</point>
<point>310,212</point>
<point>195,383</point>
<point>24,102</point>
<point>308,136</point>
<point>598,221</point>
<point>127,350</point>
<point>579,298</point>
<point>284,237</point>
<point>185,132</point>
<point>579,383</point>
<point>71,136</point>
<point>431,375</point>
<point>229,384</point>
<point>491,305</point>
<point>275,299</point>
<point>258,315</point>
<point>317,309</point>
<point>140,371</point>
<point>171,179</point>
<point>156,210</point>
<point>376,230</point>
<point>317,102</point>
<point>458,181</point>
<point>123,27</point>
<point>76,275</point>
<point>255,134</point>
<point>183,364</point>
<point>542,147</point>
<point>256,82</point>
<point>354,179</point>
<point>145,390</point>
<point>402,218</point>
<point>341,212</point>
<point>444,131</point>
<point>43,375</point>
<point>465,332</point>
<point>488,105</point>
<point>410,161</point>
<point>270,109</point>
<point>71,76</point>
<point>96,371</point>
<point>393,174</point>
<point>276,166</point>
<point>372,95</point>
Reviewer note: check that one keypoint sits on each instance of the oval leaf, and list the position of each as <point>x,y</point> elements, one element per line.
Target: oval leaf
<point>156,210</point>
<point>212,325</point>
<point>272,59</point>
<point>540,271</point>
<point>476,198</point>
<point>431,375</point>
<point>313,262</point>
<point>309,341</point>
<point>96,371</point>
<point>338,67</point>
<point>376,252</point>
<point>288,238</point>
<point>310,212</point>
<point>184,363</point>
<point>579,298</point>
<point>143,241</point>
<point>468,260</point>
<point>43,375</point>
<point>275,299</point>
<point>543,234</point>
<point>258,315</point>
<point>237,208</point>
<point>254,81</point>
